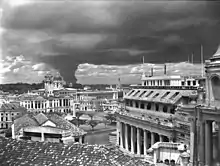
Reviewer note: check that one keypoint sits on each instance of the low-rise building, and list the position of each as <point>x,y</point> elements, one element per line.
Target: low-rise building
<point>46,127</point>
<point>8,112</point>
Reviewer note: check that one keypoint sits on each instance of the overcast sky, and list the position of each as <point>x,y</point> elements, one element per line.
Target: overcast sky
<point>99,41</point>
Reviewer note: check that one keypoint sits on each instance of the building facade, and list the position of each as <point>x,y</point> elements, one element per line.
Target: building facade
<point>8,112</point>
<point>205,117</point>
<point>36,103</point>
<point>46,128</point>
<point>150,114</point>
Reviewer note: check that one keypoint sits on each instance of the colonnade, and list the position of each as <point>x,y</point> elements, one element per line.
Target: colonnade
<point>42,104</point>
<point>206,145</point>
<point>137,140</point>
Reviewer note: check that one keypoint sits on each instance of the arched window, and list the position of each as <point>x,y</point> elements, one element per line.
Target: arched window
<point>216,87</point>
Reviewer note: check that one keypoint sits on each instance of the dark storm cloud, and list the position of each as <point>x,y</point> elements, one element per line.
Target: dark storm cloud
<point>160,31</point>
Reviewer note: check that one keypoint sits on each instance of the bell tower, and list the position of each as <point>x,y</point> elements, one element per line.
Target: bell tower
<point>212,67</point>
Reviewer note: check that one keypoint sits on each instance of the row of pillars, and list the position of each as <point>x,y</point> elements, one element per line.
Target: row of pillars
<point>137,140</point>
<point>203,152</point>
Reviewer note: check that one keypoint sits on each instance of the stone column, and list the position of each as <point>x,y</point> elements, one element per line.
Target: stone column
<point>219,141</point>
<point>161,138</point>
<point>34,105</point>
<point>202,143</point>
<point>42,137</point>
<point>80,139</point>
<point>121,135</point>
<point>208,143</point>
<point>138,141</point>
<point>118,131</point>
<point>126,137</point>
<point>145,142</point>
<point>132,139</point>
<point>191,141</point>
<point>152,138</point>
<point>139,104</point>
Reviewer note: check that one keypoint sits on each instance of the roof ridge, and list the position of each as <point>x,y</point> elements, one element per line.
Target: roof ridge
<point>217,53</point>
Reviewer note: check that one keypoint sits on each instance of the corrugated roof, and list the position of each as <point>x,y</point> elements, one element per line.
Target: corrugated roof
<point>14,152</point>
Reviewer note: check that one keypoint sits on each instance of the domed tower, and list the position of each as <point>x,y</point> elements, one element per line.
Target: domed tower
<point>58,81</point>
<point>48,84</point>
<point>213,79</point>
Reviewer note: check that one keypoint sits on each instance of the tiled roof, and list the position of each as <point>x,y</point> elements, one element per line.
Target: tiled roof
<point>61,123</point>
<point>12,107</point>
<point>31,97</point>
<point>64,124</point>
<point>14,152</point>
<point>41,118</point>
<point>24,121</point>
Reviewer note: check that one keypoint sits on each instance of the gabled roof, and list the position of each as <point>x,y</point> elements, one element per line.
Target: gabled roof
<point>14,152</point>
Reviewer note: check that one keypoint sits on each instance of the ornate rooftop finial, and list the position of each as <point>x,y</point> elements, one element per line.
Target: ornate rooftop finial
<point>217,53</point>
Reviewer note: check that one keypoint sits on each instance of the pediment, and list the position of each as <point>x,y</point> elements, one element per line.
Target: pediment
<point>49,123</point>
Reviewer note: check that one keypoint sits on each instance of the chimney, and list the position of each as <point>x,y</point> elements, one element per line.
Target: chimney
<point>152,71</point>
<point>165,69</point>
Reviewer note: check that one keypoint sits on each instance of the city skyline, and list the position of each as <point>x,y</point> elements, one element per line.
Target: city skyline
<point>100,41</point>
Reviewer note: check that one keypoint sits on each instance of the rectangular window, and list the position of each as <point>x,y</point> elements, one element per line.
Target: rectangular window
<point>188,83</point>
<point>194,83</point>
<point>149,106</point>
<point>136,93</point>
<point>142,105</point>
<point>136,104</point>
<point>157,107</point>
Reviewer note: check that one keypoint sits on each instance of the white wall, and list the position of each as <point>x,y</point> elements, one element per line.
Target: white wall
<point>170,154</point>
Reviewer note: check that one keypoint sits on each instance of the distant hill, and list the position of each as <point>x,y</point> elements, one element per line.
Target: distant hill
<point>19,88</point>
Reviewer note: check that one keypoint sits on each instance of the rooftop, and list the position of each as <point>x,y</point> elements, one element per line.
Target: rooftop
<point>158,95</point>
<point>14,152</point>
<point>40,119</point>
<point>11,107</point>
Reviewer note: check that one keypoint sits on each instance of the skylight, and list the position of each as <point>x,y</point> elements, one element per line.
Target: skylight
<point>136,93</point>
<point>129,93</point>
<point>157,94</point>
<point>149,93</point>
<point>174,95</point>
<point>142,93</point>
<point>166,94</point>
